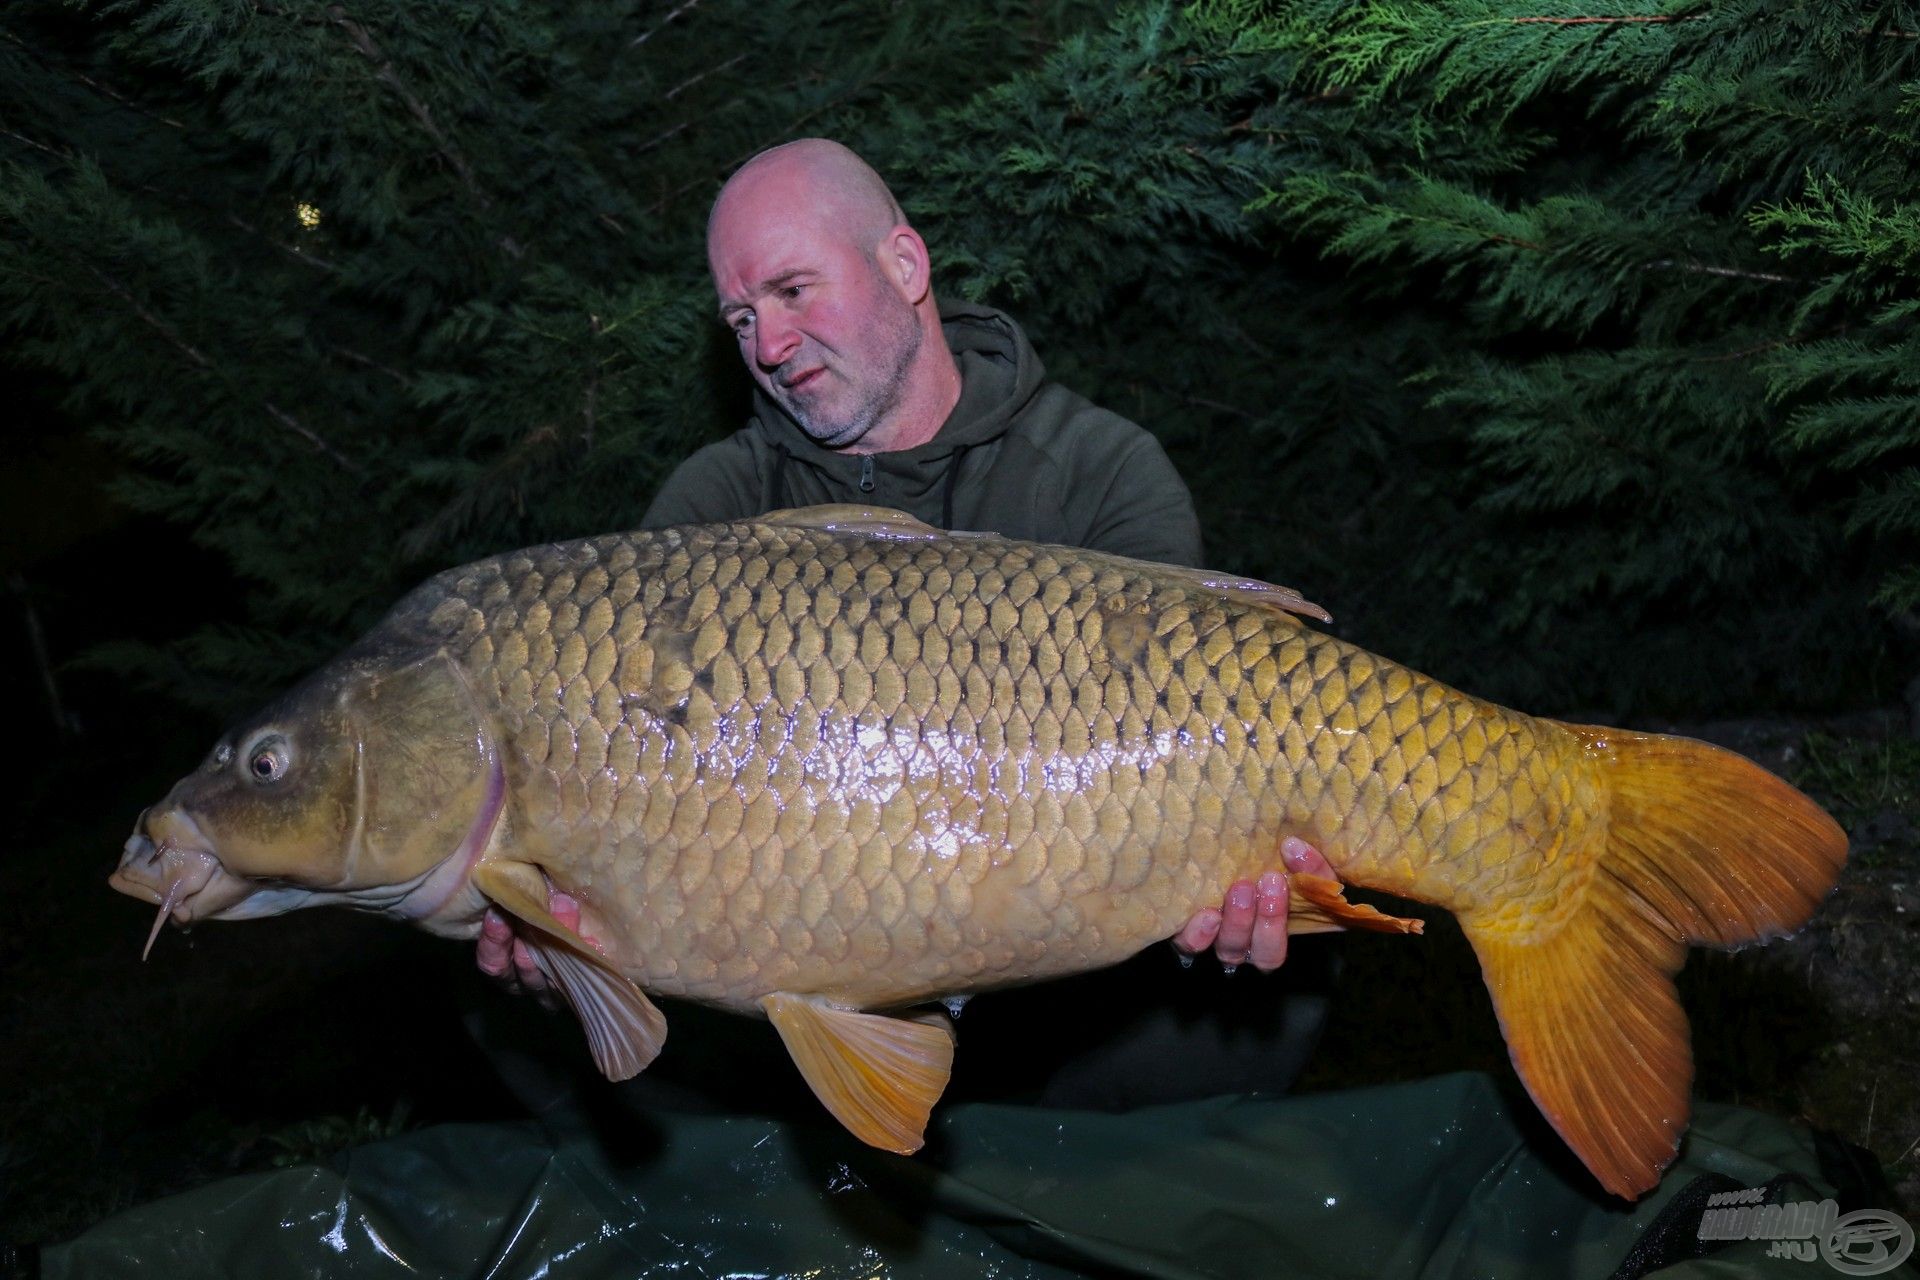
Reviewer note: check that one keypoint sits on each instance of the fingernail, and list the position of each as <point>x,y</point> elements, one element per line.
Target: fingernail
<point>1270,883</point>
<point>1294,852</point>
<point>1241,895</point>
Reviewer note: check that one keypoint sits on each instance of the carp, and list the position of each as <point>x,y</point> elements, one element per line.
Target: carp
<point>831,765</point>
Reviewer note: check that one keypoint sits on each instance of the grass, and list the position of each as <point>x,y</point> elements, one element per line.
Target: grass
<point>1867,780</point>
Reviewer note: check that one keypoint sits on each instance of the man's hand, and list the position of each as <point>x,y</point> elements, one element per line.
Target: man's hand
<point>1251,925</point>
<point>503,955</point>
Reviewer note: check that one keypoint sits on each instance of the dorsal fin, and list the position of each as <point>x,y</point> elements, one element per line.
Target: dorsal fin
<point>1250,591</point>
<point>898,526</point>
<point>850,517</point>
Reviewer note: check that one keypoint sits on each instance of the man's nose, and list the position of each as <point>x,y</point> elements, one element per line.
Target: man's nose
<point>775,340</point>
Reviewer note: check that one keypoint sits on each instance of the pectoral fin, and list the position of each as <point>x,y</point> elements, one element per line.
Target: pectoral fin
<point>1319,905</point>
<point>623,1028</point>
<point>879,1075</point>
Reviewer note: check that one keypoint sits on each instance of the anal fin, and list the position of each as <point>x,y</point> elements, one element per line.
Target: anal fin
<point>624,1029</point>
<point>1319,905</point>
<point>879,1075</point>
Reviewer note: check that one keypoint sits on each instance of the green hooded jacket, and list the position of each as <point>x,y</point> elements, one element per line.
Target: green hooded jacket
<point>1019,456</point>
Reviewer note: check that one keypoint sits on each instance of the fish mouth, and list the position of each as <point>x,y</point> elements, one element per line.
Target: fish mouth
<point>179,873</point>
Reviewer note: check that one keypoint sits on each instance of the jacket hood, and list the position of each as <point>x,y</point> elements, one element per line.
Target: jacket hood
<point>999,375</point>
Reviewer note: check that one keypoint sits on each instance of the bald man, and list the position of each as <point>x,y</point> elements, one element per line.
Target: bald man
<point>867,390</point>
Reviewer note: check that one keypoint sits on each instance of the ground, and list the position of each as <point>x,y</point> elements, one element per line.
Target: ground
<point>238,1047</point>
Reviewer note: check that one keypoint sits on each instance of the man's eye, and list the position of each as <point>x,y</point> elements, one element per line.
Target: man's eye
<point>792,291</point>
<point>741,323</point>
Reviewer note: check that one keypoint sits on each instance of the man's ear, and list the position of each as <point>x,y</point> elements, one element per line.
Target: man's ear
<point>904,261</point>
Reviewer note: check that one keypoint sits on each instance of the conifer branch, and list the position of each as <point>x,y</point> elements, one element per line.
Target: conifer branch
<point>164,196</point>
<point>363,43</point>
<point>159,326</point>
<point>658,138</point>
<point>661,25</point>
<point>295,251</point>
<point>369,362</point>
<point>1223,407</point>
<point>1774,344</point>
<point>34,143</point>
<point>64,720</point>
<point>693,80</point>
<point>311,436</point>
<point>1657,19</point>
<point>1604,21</point>
<point>793,127</point>
<point>496,479</point>
<point>587,410</point>
<point>200,361</point>
<point>95,85</point>
<point>1732,273</point>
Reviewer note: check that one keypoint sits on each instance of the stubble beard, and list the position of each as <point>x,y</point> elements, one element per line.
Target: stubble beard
<point>879,399</point>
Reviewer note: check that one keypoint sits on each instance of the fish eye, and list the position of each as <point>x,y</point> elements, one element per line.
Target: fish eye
<point>267,762</point>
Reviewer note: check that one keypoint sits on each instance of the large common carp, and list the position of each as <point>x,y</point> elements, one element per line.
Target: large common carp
<point>831,764</point>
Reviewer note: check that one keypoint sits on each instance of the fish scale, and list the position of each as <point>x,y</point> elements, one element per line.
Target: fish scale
<point>1087,683</point>
<point>827,764</point>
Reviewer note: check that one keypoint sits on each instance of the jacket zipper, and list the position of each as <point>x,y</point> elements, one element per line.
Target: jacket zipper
<point>866,473</point>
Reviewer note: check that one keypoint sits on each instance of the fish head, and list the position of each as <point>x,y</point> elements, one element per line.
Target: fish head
<point>374,784</point>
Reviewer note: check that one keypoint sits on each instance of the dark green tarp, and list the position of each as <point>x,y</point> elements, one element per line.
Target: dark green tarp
<point>1439,1178</point>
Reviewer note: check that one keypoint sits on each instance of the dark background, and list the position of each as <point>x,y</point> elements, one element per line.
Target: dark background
<point>1571,362</point>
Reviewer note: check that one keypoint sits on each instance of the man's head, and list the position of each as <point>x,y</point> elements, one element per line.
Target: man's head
<point>825,287</point>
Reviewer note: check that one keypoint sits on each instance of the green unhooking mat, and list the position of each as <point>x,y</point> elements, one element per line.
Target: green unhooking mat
<point>1438,1178</point>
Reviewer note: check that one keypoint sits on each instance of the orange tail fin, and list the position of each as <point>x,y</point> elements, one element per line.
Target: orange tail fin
<point>1702,846</point>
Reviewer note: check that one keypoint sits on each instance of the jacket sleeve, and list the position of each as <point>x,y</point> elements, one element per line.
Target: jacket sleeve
<point>1124,493</point>
<point>721,481</point>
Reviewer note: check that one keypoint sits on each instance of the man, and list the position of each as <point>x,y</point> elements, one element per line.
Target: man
<point>869,391</point>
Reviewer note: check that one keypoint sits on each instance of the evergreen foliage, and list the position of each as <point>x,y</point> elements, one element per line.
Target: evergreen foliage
<point>1569,356</point>
<point>1647,364</point>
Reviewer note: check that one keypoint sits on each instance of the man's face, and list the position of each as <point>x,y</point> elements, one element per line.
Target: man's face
<point>822,331</point>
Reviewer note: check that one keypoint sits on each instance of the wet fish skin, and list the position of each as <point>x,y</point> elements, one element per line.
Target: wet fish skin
<point>833,760</point>
<point>883,770</point>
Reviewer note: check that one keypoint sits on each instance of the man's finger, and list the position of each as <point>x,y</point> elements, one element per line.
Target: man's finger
<point>526,968</point>
<point>496,940</point>
<point>1236,924</point>
<point>1303,858</point>
<point>1199,933</point>
<point>1268,949</point>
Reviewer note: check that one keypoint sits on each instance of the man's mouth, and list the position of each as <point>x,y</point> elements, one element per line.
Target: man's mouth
<point>803,379</point>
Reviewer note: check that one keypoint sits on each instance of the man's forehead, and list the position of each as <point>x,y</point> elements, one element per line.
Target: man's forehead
<point>752,248</point>
<point>752,264</point>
